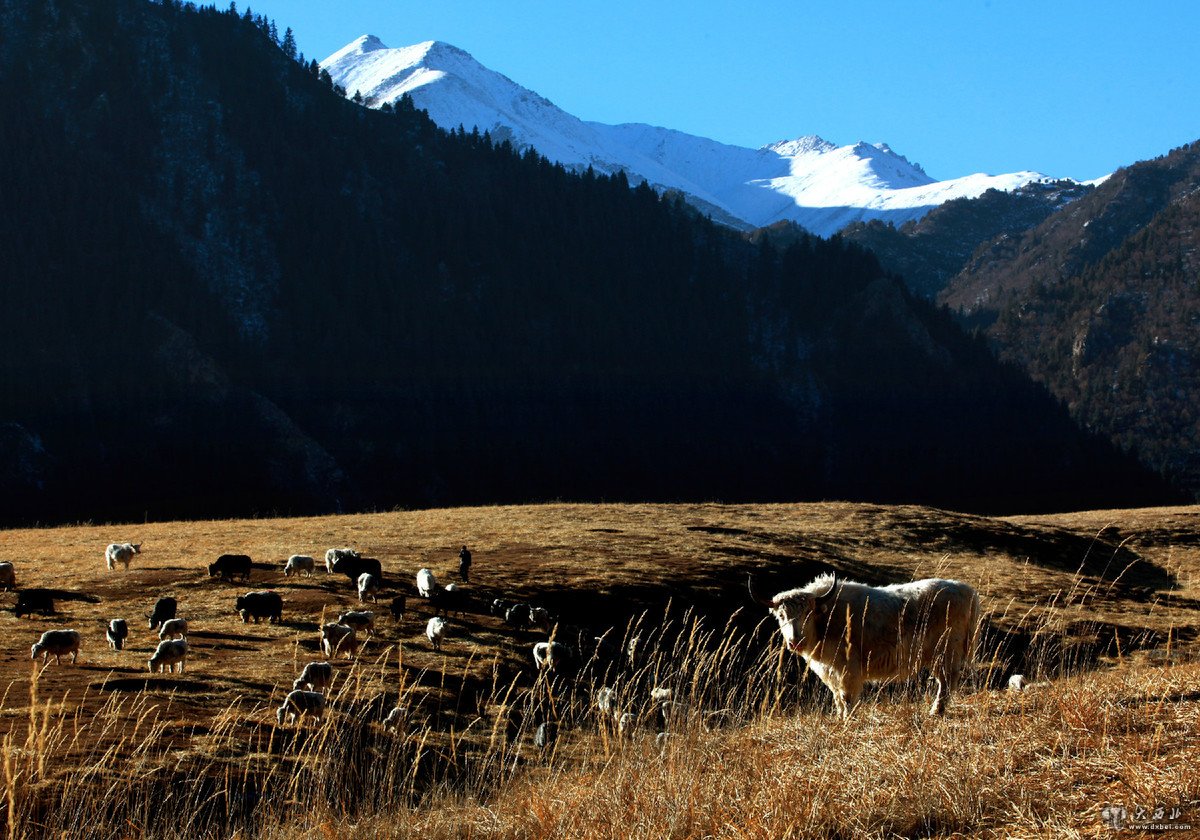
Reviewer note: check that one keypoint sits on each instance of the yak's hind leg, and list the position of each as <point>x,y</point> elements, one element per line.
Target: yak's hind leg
<point>946,672</point>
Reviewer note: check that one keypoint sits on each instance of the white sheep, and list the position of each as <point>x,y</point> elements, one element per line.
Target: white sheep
<point>545,735</point>
<point>170,652</point>
<point>436,631</point>
<point>550,654</point>
<point>1020,682</point>
<point>172,628</point>
<point>338,638</point>
<point>116,633</point>
<point>397,719</point>
<point>626,723</point>
<point>121,553</point>
<point>368,587</point>
<point>426,583</point>
<point>8,576</point>
<point>333,555</point>
<point>298,563</point>
<point>56,643</point>
<point>316,676</point>
<point>606,701</point>
<point>363,621</point>
<point>299,703</point>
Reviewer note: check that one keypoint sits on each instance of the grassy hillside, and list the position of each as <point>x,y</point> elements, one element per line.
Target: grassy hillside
<point>1104,606</point>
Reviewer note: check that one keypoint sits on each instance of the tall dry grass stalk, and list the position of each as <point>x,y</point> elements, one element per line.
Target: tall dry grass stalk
<point>749,750</point>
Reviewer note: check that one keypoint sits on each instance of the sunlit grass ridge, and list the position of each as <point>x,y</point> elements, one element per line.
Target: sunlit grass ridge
<point>1103,620</point>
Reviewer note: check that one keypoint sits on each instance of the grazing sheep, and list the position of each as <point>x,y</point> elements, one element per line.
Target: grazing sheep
<point>335,554</point>
<point>626,723</point>
<point>397,719</point>
<point>229,566</point>
<point>540,617</point>
<point>436,631</point>
<point>606,701</point>
<point>661,695</point>
<point>1020,682</point>
<point>56,643</point>
<point>518,617</point>
<point>164,610</point>
<point>299,703</point>
<point>298,563</point>
<point>261,604</point>
<point>499,607</point>
<point>172,628</point>
<point>550,655</point>
<point>545,735</point>
<point>30,601</point>
<point>316,676</point>
<point>449,600</point>
<point>8,576</point>
<point>121,553</point>
<point>397,606</point>
<point>170,652</point>
<point>368,587</point>
<point>363,621</point>
<point>338,638</point>
<point>116,633</point>
<point>426,583</point>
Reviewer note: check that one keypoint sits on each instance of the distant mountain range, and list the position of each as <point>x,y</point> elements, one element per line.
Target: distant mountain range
<point>809,181</point>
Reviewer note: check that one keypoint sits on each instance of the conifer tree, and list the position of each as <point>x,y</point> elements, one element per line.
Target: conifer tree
<point>289,44</point>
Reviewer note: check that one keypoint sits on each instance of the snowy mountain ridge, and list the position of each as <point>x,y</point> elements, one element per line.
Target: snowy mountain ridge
<point>808,180</point>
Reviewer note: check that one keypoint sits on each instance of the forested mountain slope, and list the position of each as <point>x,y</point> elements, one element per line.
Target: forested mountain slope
<point>930,252</point>
<point>239,298</point>
<point>1101,302</point>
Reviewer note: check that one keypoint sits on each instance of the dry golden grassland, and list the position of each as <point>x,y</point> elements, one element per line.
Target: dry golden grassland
<point>1102,609</point>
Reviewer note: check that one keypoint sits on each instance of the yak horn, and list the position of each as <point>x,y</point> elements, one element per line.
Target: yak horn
<point>766,602</point>
<point>833,584</point>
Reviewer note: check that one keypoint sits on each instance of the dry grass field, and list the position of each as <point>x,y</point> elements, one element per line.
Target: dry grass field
<point>1102,608</point>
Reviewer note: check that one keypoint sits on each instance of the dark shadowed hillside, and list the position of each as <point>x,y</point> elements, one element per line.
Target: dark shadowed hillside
<point>244,297</point>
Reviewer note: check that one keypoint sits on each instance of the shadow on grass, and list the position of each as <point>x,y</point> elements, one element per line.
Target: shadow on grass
<point>153,683</point>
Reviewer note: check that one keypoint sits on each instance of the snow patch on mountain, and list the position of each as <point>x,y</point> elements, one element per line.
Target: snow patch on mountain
<point>807,180</point>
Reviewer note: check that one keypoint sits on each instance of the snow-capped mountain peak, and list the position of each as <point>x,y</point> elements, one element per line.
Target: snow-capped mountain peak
<point>808,180</point>
<point>808,144</point>
<point>359,46</point>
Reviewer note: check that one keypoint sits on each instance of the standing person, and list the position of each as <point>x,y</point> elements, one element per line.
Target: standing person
<point>464,564</point>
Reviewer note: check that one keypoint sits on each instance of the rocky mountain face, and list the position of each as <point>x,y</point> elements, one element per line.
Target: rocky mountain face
<point>1101,302</point>
<point>244,298</point>
<point>932,251</point>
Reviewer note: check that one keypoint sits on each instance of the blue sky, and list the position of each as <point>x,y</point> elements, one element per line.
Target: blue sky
<point>1066,88</point>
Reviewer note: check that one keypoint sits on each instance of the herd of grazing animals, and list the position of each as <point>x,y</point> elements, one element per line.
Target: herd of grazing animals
<point>848,633</point>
